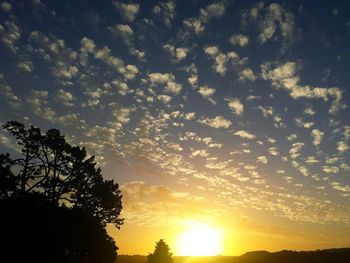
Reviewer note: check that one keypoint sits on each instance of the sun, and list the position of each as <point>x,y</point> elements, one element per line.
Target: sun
<point>199,240</point>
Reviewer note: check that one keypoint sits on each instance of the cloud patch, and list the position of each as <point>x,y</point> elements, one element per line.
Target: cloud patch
<point>216,122</point>
<point>127,11</point>
<point>245,134</point>
<point>285,76</point>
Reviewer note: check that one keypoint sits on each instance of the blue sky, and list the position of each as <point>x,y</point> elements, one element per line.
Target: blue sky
<point>242,105</point>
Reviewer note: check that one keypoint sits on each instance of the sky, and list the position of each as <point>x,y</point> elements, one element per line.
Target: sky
<point>233,114</point>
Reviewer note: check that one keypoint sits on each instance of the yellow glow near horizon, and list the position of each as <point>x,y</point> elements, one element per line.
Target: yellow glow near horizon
<point>199,239</point>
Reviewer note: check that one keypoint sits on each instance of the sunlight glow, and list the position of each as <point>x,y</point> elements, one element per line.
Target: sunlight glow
<point>199,240</point>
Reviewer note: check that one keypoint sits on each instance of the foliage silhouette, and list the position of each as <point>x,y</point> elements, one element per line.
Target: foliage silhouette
<point>161,254</point>
<point>54,197</point>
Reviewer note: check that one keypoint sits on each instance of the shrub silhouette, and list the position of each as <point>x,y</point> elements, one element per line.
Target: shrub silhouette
<point>161,253</point>
<point>54,201</point>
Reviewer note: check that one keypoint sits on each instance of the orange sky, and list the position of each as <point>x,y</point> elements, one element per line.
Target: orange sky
<point>156,212</point>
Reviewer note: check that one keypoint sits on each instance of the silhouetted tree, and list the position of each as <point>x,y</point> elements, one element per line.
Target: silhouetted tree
<point>63,173</point>
<point>8,181</point>
<point>161,254</point>
<point>54,197</point>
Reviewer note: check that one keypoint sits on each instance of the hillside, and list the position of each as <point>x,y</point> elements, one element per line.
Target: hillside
<point>341,255</point>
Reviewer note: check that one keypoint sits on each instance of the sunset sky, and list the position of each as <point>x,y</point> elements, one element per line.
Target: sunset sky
<point>232,115</point>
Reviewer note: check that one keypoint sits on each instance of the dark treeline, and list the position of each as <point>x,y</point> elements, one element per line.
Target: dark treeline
<point>54,201</point>
<point>341,255</point>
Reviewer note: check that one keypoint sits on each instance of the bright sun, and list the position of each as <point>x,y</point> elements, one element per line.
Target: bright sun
<point>199,240</point>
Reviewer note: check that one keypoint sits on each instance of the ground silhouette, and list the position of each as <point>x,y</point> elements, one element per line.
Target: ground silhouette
<point>54,201</point>
<point>339,255</point>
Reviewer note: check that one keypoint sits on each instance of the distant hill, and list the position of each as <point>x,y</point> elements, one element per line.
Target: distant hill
<point>320,256</point>
<point>178,259</point>
<point>336,255</point>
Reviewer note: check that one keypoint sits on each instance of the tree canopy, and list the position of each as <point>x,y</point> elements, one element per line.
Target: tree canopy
<point>53,178</point>
<point>161,253</point>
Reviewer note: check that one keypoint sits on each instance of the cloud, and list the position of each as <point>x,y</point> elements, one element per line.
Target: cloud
<point>236,106</point>
<point>317,135</point>
<point>174,146</point>
<point>216,165</point>
<point>245,134</point>
<point>177,54</point>
<point>38,99</point>
<point>262,159</point>
<point>65,97</point>
<point>194,24</point>
<point>172,87</point>
<point>252,97</point>
<point>342,188</point>
<point>160,78</point>
<point>215,10</point>
<point>197,24</point>
<point>217,122</point>
<point>140,55</point>
<point>342,147</point>
<point>246,74</point>
<point>309,111</point>
<point>295,150</point>
<point>193,79</point>
<point>7,141</point>
<point>87,45</point>
<point>146,204</point>
<point>7,92</point>
<point>330,169</point>
<point>201,153</point>
<point>239,40</point>
<point>303,170</point>
<point>273,21</point>
<point>164,98</point>
<point>61,59</point>
<point>166,10</point>
<point>301,123</point>
<point>128,71</point>
<point>68,119</point>
<point>6,7</point>
<point>206,91</point>
<point>127,11</point>
<point>25,66</point>
<point>102,135</point>
<point>311,160</point>
<point>276,16</point>
<point>124,32</point>
<point>292,137</point>
<point>122,87</point>
<point>267,111</point>
<point>221,59</point>
<point>190,116</point>
<point>285,76</point>
<point>278,121</point>
<point>271,140</point>
<point>215,145</point>
<point>10,33</point>
<point>168,79</point>
<point>332,160</point>
<point>181,53</point>
<point>104,54</point>
<point>346,132</point>
<point>121,114</point>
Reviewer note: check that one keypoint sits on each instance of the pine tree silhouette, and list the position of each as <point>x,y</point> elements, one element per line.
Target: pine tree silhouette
<point>161,253</point>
